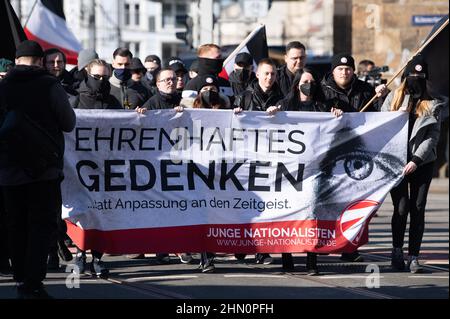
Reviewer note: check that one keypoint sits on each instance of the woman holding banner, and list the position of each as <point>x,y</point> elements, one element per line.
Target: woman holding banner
<point>305,96</point>
<point>423,136</point>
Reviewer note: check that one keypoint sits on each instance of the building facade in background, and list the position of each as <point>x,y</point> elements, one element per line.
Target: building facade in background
<point>386,31</point>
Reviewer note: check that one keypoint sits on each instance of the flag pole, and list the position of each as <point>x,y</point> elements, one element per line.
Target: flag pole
<point>29,15</point>
<point>242,44</point>
<point>406,63</point>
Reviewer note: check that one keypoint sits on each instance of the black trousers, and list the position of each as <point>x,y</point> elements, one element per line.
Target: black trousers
<point>4,255</point>
<point>410,196</point>
<point>31,211</point>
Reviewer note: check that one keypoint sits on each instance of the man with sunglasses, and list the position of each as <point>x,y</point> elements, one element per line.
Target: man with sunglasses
<point>94,91</point>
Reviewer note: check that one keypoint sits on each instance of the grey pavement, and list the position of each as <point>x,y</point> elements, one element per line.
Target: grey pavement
<point>145,279</point>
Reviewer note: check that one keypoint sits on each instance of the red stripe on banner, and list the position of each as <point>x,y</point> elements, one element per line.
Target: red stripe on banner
<point>71,56</point>
<point>363,204</point>
<point>275,237</point>
<point>349,224</point>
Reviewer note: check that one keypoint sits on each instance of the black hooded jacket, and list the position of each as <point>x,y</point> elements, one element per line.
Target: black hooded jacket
<point>32,93</point>
<point>254,99</point>
<point>238,85</point>
<point>88,98</point>
<point>351,100</point>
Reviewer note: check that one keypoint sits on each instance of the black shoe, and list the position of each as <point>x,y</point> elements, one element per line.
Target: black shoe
<point>311,265</point>
<point>98,269</point>
<point>287,261</point>
<point>5,267</point>
<point>414,266</point>
<point>53,261</point>
<point>397,259</point>
<point>264,259</point>
<point>208,267</point>
<point>353,257</point>
<point>162,259</point>
<point>240,257</point>
<point>186,258</point>
<point>37,293</point>
<point>63,252</point>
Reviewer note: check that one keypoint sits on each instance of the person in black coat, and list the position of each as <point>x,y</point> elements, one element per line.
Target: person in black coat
<point>31,192</point>
<point>261,94</point>
<point>295,59</point>
<point>55,64</point>
<point>94,91</point>
<point>305,96</point>
<point>167,96</point>
<point>243,74</point>
<point>343,90</point>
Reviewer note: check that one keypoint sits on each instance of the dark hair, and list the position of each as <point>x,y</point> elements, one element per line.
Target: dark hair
<point>294,45</point>
<point>53,51</point>
<point>363,64</point>
<point>162,70</point>
<point>153,58</point>
<point>294,93</point>
<point>122,52</point>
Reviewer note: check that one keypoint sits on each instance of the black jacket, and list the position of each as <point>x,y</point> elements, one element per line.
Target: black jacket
<point>297,105</point>
<point>161,101</point>
<point>351,100</point>
<point>131,92</point>
<point>90,99</point>
<point>32,93</point>
<point>285,79</point>
<point>239,86</point>
<point>254,99</point>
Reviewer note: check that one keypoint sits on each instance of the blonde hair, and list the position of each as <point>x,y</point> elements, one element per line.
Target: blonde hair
<point>99,63</point>
<point>423,107</point>
<point>205,48</point>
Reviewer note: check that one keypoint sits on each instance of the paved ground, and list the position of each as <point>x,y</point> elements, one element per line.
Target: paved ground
<point>144,279</point>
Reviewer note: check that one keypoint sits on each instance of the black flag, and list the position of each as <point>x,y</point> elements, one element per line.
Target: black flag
<point>436,56</point>
<point>11,31</point>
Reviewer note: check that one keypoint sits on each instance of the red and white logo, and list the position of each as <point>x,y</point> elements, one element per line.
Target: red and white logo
<point>354,217</point>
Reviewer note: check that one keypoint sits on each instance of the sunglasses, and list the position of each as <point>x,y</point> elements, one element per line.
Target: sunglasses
<point>99,76</point>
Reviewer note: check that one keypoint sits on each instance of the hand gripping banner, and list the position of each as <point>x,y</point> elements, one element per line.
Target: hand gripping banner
<point>210,180</point>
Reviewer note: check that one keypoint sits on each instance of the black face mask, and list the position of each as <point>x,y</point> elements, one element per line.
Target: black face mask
<point>416,87</point>
<point>243,75</point>
<point>308,88</point>
<point>209,66</point>
<point>210,98</point>
<point>98,86</point>
<point>122,74</point>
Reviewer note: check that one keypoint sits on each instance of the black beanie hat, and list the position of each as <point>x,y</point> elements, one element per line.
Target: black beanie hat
<point>342,59</point>
<point>29,48</point>
<point>417,65</point>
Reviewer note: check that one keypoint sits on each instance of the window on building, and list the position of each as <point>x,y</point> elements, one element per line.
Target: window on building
<point>180,9</point>
<point>151,24</point>
<point>126,13</point>
<point>167,15</point>
<point>136,14</point>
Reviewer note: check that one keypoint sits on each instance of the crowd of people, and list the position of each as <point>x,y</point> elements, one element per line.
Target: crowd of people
<point>37,88</point>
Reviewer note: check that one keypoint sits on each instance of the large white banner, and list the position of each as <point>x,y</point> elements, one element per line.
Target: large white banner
<point>210,180</point>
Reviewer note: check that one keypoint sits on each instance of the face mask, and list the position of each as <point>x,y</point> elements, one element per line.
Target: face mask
<point>210,98</point>
<point>308,88</point>
<point>243,75</point>
<point>209,66</point>
<point>149,76</point>
<point>98,86</point>
<point>122,74</point>
<point>416,87</point>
